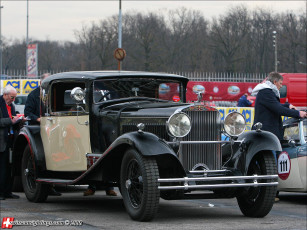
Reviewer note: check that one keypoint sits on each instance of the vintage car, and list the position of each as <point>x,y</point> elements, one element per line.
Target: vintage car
<point>135,130</point>
<point>292,161</point>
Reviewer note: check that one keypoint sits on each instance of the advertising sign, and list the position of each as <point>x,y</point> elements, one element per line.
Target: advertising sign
<point>29,85</point>
<point>15,83</point>
<point>32,61</point>
<point>23,87</point>
<point>218,91</point>
<point>247,112</point>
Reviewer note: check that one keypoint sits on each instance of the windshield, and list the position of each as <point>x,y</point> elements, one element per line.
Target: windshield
<point>162,89</point>
<point>293,132</point>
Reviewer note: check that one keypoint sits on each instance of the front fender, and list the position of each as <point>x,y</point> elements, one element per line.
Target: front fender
<point>29,135</point>
<point>253,142</point>
<point>147,144</point>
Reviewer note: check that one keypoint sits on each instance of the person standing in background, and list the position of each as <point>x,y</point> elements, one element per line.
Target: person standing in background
<point>8,120</point>
<point>32,107</point>
<point>243,101</point>
<point>268,109</point>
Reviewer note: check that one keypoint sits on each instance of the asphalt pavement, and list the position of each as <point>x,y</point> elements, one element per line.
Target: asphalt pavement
<point>74,211</point>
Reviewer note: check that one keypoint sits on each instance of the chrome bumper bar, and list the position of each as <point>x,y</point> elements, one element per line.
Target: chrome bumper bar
<point>233,183</point>
<point>205,142</point>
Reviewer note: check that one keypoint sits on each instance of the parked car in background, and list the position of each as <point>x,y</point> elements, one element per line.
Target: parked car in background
<point>5,77</point>
<point>292,161</point>
<point>20,102</point>
<point>135,130</point>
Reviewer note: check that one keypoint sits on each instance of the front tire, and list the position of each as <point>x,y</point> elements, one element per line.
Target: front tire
<point>139,185</point>
<point>35,192</point>
<point>258,201</point>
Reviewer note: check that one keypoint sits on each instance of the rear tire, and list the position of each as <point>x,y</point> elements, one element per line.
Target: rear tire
<point>258,201</point>
<point>35,192</point>
<point>139,185</point>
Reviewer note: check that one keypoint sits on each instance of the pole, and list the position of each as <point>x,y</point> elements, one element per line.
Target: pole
<point>27,37</point>
<point>120,25</point>
<point>120,30</point>
<point>276,54</point>
<point>0,41</point>
<point>275,45</point>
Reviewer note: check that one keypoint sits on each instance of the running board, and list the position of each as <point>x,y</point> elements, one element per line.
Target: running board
<point>55,181</point>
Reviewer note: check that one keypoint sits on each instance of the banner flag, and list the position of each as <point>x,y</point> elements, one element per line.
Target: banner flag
<point>32,61</point>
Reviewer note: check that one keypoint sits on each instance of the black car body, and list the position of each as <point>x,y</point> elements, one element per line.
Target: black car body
<point>135,130</point>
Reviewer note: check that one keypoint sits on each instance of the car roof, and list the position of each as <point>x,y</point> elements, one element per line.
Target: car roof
<point>93,75</point>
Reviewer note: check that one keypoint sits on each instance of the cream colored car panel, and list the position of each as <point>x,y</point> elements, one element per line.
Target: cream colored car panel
<point>293,182</point>
<point>302,163</point>
<point>66,142</point>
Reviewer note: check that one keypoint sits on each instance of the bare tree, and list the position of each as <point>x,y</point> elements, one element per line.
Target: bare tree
<point>228,36</point>
<point>86,38</point>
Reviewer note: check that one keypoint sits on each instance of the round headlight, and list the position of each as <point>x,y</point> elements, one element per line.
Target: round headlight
<point>234,124</point>
<point>179,125</point>
<point>77,94</point>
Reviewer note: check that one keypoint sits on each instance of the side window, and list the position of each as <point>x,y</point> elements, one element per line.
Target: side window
<point>283,91</point>
<point>61,102</point>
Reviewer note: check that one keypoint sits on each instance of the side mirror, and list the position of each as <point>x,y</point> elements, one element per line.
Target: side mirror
<point>78,94</point>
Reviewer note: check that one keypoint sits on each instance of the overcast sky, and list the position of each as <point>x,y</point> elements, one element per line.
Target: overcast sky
<point>57,20</point>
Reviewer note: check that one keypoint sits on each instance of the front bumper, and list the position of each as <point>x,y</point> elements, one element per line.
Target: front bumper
<point>189,183</point>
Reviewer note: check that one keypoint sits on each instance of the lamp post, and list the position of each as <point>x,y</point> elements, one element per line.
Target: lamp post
<point>0,42</point>
<point>120,25</point>
<point>275,45</point>
<point>27,38</point>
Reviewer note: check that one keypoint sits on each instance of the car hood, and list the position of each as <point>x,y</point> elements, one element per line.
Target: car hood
<point>146,108</point>
<point>155,109</point>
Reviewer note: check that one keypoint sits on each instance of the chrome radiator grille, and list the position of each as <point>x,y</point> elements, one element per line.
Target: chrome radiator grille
<point>206,126</point>
<point>155,128</point>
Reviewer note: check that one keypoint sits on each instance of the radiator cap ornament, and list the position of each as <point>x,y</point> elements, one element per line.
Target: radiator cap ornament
<point>141,127</point>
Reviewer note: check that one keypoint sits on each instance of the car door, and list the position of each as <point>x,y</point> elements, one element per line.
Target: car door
<point>65,130</point>
<point>293,154</point>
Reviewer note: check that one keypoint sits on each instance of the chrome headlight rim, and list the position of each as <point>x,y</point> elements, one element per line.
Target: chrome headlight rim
<point>168,125</point>
<point>225,124</point>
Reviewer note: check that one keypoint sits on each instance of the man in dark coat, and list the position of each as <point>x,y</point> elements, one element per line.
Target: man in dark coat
<point>268,109</point>
<point>8,118</point>
<point>32,107</point>
<point>33,103</point>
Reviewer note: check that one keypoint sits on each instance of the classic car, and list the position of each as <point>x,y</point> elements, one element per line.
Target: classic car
<point>292,161</point>
<point>135,130</point>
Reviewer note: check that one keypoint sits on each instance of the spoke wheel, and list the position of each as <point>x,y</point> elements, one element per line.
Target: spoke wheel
<point>139,185</point>
<point>34,191</point>
<point>258,201</point>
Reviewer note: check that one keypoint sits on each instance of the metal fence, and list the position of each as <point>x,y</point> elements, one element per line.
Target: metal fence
<point>193,76</point>
<point>225,77</point>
